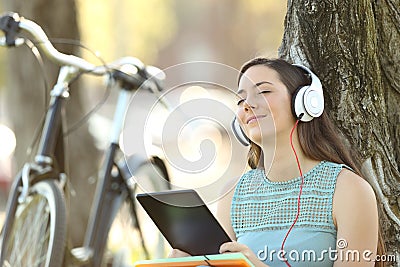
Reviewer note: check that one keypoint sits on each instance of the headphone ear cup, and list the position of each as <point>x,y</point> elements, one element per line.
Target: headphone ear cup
<point>239,133</point>
<point>298,108</point>
<point>308,101</point>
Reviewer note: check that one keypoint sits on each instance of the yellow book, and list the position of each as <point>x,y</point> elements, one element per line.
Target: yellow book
<point>218,260</point>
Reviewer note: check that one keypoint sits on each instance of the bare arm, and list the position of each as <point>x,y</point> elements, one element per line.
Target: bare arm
<point>356,217</point>
<point>223,213</point>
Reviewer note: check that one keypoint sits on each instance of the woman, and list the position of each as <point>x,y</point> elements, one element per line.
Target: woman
<point>303,202</point>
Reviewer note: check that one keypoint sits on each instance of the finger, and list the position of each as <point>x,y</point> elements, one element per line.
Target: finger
<point>230,247</point>
<point>177,253</point>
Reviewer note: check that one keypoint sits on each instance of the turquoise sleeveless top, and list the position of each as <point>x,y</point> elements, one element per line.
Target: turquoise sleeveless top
<point>262,212</point>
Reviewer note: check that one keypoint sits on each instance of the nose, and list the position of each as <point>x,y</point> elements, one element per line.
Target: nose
<point>249,104</point>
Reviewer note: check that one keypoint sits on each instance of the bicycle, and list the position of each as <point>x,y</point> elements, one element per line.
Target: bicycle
<point>34,231</point>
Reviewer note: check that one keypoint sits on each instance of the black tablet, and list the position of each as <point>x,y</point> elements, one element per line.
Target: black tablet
<point>185,221</point>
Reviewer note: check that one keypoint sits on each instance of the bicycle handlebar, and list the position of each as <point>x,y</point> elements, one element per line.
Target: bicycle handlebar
<point>11,23</point>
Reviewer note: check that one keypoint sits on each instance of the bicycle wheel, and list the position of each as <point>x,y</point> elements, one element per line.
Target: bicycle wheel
<point>133,236</point>
<point>36,234</point>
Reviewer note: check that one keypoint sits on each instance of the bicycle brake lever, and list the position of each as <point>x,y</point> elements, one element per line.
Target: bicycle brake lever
<point>17,42</point>
<point>9,24</point>
<point>128,80</point>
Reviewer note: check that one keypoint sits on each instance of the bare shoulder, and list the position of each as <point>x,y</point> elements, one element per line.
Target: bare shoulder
<point>353,194</point>
<point>226,195</point>
<point>349,184</point>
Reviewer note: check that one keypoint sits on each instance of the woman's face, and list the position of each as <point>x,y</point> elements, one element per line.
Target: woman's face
<point>264,105</point>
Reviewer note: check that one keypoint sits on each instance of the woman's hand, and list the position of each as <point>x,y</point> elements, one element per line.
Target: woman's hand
<point>176,253</point>
<point>231,247</point>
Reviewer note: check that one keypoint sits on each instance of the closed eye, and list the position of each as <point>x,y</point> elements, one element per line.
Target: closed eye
<point>240,102</point>
<point>264,91</point>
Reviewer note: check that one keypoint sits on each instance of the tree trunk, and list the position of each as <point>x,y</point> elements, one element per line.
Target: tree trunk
<point>26,95</point>
<point>353,46</point>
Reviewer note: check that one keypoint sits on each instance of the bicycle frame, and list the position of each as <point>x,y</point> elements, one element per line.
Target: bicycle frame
<point>49,161</point>
<point>108,197</point>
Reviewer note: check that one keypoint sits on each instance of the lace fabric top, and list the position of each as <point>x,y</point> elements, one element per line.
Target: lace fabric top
<point>262,211</point>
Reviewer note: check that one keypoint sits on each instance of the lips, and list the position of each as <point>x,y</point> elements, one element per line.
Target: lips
<point>254,118</point>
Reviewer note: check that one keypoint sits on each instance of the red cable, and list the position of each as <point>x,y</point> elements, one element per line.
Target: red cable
<point>301,190</point>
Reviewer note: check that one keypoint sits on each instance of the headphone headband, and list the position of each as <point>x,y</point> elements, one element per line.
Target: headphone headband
<point>314,79</point>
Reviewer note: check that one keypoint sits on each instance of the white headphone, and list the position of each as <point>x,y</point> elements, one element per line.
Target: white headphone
<point>307,104</point>
<point>308,100</point>
<point>239,133</point>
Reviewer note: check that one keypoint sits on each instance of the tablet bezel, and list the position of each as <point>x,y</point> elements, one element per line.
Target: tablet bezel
<point>185,221</point>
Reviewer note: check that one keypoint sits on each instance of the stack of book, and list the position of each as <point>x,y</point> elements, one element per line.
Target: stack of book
<point>218,260</point>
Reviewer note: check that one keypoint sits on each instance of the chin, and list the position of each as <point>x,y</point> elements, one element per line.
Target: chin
<point>255,138</point>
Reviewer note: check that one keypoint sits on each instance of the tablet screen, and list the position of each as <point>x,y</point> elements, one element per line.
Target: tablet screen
<point>185,221</point>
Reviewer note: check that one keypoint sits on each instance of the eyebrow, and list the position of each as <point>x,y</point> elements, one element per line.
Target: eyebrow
<point>254,86</point>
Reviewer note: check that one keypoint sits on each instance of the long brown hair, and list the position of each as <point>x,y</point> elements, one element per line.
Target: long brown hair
<point>319,139</point>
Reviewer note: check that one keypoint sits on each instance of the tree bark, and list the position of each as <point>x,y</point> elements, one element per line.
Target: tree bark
<point>353,46</point>
<point>26,104</point>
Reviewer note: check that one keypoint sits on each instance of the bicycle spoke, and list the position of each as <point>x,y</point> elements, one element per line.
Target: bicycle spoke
<point>35,215</point>
<point>32,236</point>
